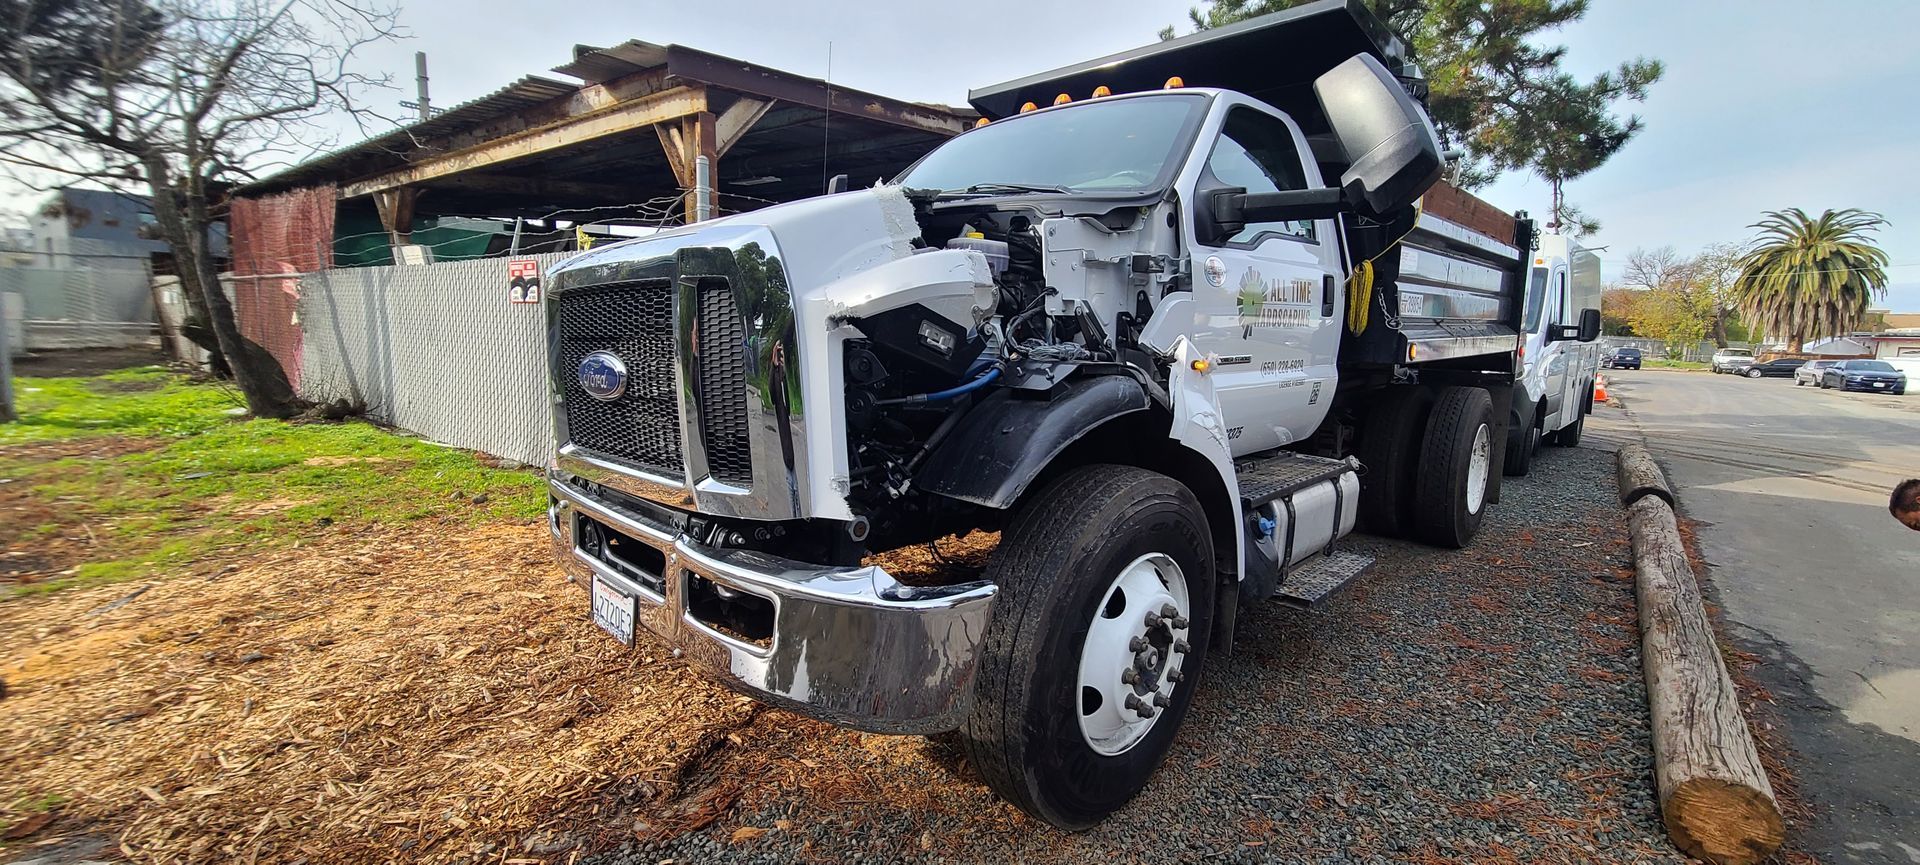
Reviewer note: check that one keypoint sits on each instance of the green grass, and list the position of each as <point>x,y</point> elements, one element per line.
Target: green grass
<point>1677,364</point>
<point>214,485</point>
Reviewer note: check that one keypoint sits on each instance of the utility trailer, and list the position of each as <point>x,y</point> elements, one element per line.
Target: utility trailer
<point>1170,339</point>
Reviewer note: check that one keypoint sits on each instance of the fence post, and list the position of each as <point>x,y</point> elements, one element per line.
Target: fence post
<point>6,367</point>
<point>702,189</point>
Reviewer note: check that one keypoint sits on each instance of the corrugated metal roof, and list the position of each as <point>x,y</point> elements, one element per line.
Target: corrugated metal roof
<point>529,91</point>
<point>595,65</point>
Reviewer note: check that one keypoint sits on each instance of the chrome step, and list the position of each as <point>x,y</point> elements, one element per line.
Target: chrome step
<point>1312,581</point>
<point>1264,480</point>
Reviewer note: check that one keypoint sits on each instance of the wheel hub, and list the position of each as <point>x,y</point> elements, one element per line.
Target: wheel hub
<point>1479,466</point>
<point>1132,660</point>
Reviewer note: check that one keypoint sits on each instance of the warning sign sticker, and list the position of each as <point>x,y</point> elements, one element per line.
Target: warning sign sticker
<point>523,280</point>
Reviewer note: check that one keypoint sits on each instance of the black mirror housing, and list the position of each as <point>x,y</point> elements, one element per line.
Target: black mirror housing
<point>1589,324</point>
<point>1391,149</point>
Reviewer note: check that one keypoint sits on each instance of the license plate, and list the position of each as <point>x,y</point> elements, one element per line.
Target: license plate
<point>1879,384</point>
<point>613,611</point>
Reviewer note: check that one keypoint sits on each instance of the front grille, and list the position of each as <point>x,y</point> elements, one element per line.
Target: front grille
<point>722,381</point>
<point>634,321</point>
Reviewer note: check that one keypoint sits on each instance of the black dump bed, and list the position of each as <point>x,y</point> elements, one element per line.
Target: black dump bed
<point>1274,58</point>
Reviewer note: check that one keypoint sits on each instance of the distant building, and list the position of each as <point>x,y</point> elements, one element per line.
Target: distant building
<point>98,228</point>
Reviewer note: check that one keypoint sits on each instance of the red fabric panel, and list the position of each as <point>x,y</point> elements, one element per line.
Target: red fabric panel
<point>275,239</point>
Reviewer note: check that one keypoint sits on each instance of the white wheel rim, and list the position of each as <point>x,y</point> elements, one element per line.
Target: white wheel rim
<point>1478,466</point>
<point>1133,608</point>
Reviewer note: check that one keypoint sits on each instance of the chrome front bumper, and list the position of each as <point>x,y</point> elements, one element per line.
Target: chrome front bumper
<point>851,646</point>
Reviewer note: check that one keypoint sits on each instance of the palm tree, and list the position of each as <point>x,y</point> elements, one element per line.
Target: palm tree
<point>1802,277</point>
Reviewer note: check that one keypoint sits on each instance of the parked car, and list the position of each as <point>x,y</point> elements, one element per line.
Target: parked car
<point>1625,357</point>
<point>1809,372</point>
<point>1867,375</point>
<point>1782,367</point>
<point>1732,360</point>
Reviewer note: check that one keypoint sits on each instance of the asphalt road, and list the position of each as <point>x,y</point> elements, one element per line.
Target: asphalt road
<point>1790,486</point>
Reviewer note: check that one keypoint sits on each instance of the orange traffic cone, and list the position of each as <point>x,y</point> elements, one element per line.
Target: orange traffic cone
<point>1600,389</point>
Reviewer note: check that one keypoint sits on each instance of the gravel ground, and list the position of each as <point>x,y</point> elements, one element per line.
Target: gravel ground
<point>1484,706</point>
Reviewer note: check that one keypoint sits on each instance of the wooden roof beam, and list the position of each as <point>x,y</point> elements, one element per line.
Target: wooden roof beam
<point>665,105</point>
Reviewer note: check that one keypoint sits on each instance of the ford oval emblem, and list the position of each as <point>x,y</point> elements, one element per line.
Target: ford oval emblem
<point>603,375</point>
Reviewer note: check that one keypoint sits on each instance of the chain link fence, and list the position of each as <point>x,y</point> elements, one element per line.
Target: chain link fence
<point>438,350</point>
<point>1660,349</point>
<point>92,304</point>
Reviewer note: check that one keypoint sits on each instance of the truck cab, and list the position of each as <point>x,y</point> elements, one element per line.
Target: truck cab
<point>1151,333</point>
<point>1554,391</point>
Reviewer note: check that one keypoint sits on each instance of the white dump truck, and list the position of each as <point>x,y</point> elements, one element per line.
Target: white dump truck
<point>1554,392</point>
<point>1173,323</point>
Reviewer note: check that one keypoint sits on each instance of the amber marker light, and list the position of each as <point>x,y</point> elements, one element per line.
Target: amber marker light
<point>1101,91</point>
<point>1201,365</point>
<point>1175,82</point>
<point>1062,99</point>
<point>979,123</point>
<point>1028,107</point>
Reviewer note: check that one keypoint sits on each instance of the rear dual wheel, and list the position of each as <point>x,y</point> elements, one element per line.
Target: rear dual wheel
<point>1456,467</point>
<point>1096,643</point>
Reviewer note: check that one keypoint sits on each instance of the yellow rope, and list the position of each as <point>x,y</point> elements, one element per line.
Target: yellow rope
<point>1359,297</point>
<point>1360,282</point>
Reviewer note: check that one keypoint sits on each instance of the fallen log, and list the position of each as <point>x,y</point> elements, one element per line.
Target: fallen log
<point>1639,476</point>
<point>1714,796</point>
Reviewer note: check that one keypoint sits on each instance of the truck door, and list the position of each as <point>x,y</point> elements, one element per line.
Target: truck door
<point>1266,300</point>
<point>1558,357</point>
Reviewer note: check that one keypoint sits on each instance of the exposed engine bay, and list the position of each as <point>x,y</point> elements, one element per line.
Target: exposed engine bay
<point>917,372</point>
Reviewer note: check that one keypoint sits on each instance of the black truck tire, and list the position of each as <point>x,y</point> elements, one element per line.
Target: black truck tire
<point>1522,442</point>
<point>1569,435</point>
<point>1060,568</point>
<point>1457,446</point>
<point>1390,451</point>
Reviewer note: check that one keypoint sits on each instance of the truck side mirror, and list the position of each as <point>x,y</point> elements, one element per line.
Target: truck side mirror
<point>1587,330</point>
<point>1392,152</point>
<point>1226,211</point>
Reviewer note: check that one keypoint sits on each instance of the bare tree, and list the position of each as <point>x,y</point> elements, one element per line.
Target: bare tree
<point>182,97</point>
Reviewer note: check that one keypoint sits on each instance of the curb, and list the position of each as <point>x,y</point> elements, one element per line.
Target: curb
<point>1715,799</point>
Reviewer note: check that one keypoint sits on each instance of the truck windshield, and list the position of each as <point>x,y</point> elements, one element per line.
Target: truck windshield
<point>1107,146</point>
<point>1536,298</point>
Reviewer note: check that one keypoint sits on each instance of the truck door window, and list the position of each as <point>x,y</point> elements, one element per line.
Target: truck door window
<point>1256,151</point>
<point>1567,314</point>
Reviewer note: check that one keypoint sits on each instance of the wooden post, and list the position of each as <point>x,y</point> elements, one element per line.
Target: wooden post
<point>684,141</point>
<point>396,213</point>
<point>1715,799</point>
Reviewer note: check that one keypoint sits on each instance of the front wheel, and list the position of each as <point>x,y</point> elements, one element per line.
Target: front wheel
<point>1522,443</point>
<point>1096,643</point>
<point>1797,382</point>
<point>1754,373</point>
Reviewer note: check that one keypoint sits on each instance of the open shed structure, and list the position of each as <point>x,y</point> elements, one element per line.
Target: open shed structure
<point>624,141</point>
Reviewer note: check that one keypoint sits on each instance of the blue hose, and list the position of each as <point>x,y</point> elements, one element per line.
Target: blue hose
<point>947,394</point>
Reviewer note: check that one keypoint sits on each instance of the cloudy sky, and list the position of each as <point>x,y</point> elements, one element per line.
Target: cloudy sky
<point>1766,104</point>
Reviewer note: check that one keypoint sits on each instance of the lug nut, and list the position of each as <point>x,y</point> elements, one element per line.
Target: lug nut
<point>1174,675</point>
<point>1137,644</point>
<point>1169,610</point>
<point>1180,622</point>
<point>1160,699</point>
<point>1153,620</point>
<point>1181,646</point>
<point>1129,675</point>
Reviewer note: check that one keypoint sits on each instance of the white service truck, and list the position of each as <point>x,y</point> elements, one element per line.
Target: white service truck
<point>1172,342</point>
<point>1554,392</point>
